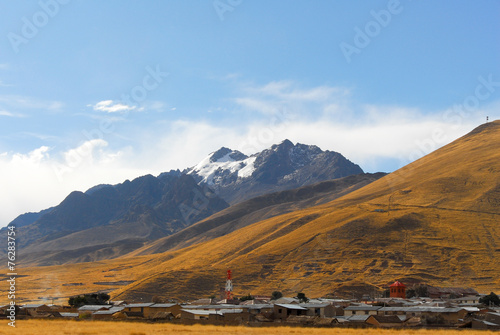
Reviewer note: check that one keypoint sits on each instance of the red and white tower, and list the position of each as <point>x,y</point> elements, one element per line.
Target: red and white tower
<point>229,286</point>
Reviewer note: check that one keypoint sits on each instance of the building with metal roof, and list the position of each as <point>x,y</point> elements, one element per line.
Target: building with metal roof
<point>361,310</point>
<point>283,311</point>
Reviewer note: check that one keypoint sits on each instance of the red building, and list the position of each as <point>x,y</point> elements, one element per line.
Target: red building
<point>397,290</point>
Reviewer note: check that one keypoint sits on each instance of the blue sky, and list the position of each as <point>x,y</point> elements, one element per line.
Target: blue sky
<point>102,91</point>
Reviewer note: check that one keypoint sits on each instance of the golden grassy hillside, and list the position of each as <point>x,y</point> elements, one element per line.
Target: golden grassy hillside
<point>433,221</point>
<point>46,327</point>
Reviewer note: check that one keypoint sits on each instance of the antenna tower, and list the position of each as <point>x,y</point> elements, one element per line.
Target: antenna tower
<point>229,286</point>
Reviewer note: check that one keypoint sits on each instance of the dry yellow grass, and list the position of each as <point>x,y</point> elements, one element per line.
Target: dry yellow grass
<point>454,194</point>
<point>46,327</point>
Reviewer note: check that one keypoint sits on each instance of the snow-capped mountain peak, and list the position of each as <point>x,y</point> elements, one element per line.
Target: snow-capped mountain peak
<point>226,154</point>
<point>221,163</point>
<point>235,176</point>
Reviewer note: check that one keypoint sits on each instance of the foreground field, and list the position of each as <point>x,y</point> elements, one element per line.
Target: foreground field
<point>46,327</point>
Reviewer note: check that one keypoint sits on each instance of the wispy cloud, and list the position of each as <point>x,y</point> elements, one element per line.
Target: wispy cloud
<point>26,103</point>
<point>259,105</point>
<point>155,106</point>
<point>9,114</point>
<point>378,137</point>
<point>290,91</point>
<point>39,136</point>
<point>278,95</point>
<point>2,84</point>
<point>110,106</point>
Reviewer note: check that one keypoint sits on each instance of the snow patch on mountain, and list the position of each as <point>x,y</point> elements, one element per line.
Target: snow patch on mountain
<point>249,167</point>
<point>215,165</point>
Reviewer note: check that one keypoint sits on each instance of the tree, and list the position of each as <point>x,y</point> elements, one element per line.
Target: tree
<point>276,295</point>
<point>490,299</point>
<point>77,301</point>
<point>246,297</point>
<point>89,299</point>
<point>421,291</point>
<point>410,293</point>
<point>97,298</point>
<point>158,300</point>
<point>302,297</point>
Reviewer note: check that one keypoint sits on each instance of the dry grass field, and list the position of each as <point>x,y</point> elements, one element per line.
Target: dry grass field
<point>50,327</point>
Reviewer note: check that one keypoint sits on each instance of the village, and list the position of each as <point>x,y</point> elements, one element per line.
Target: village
<point>440,308</point>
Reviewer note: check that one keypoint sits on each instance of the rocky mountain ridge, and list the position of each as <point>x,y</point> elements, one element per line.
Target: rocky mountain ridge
<point>237,177</point>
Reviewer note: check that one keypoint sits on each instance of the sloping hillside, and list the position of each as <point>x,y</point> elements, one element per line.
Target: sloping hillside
<point>258,209</point>
<point>433,221</point>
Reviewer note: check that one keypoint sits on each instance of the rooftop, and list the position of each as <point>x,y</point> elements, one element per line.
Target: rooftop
<point>292,306</point>
<point>397,283</point>
<point>363,308</point>
<point>93,307</point>
<point>146,304</point>
<point>110,311</point>
<point>162,305</point>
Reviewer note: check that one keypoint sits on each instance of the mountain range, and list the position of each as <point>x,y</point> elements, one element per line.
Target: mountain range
<point>108,221</point>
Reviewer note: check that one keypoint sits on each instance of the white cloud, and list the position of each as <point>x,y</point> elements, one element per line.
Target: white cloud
<point>43,178</point>
<point>109,106</point>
